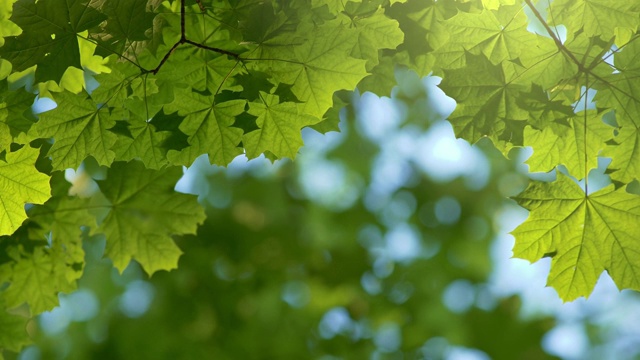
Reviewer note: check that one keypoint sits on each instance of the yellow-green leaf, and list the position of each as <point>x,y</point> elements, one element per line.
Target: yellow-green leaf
<point>583,234</point>
<point>20,184</point>
<point>145,212</point>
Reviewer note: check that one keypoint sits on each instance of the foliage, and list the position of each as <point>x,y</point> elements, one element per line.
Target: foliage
<point>143,94</point>
<point>275,271</point>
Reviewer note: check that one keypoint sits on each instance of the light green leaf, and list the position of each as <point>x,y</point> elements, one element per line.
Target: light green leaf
<point>79,126</point>
<point>619,90</point>
<point>495,4</point>
<point>37,278</point>
<point>376,32</point>
<point>208,126</point>
<point>624,152</point>
<point>430,18</point>
<point>7,27</point>
<point>13,330</point>
<point>145,143</point>
<point>200,70</point>
<point>20,183</point>
<point>577,149</point>
<point>145,213</point>
<point>500,35</point>
<point>595,17</point>
<point>318,67</point>
<point>61,220</point>
<point>279,128</point>
<point>583,234</point>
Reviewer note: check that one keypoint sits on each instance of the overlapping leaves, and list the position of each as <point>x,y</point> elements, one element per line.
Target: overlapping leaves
<point>179,80</point>
<point>174,81</point>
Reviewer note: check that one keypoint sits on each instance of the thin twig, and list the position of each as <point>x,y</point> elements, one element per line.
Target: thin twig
<point>553,35</point>
<point>210,48</point>
<point>164,59</point>
<point>202,8</point>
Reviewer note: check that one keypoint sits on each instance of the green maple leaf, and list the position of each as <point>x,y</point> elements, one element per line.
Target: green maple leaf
<point>80,127</point>
<point>545,112</point>
<point>145,141</point>
<point>129,22</point>
<point>60,219</point>
<point>577,149</point>
<point>334,6</point>
<point>20,183</point>
<point>145,213</point>
<point>116,86</point>
<point>49,37</point>
<point>496,4</point>
<point>376,32</point>
<point>16,117</point>
<point>625,154</point>
<point>619,91</point>
<point>316,68</point>
<point>595,17</point>
<point>499,35</point>
<point>584,235</point>
<point>208,125</point>
<point>486,97</point>
<point>553,69</point>
<point>279,128</point>
<point>199,70</point>
<point>13,330</point>
<point>38,277</point>
<point>427,22</point>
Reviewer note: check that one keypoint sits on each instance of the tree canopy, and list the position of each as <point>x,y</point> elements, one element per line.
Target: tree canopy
<point>141,88</point>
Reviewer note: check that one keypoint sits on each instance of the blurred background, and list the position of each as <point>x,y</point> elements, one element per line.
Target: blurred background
<point>387,240</point>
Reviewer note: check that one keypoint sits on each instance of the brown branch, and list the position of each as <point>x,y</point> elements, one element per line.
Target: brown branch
<point>210,48</point>
<point>184,40</point>
<point>202,8</point>
<point>555,38</point>
<point>164,59</point>
<point>183,32</point>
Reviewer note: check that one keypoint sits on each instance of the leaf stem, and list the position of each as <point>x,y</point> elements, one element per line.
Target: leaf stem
<point>586,157</point>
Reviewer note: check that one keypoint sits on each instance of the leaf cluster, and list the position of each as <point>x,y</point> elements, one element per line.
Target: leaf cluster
<point>143,87</point>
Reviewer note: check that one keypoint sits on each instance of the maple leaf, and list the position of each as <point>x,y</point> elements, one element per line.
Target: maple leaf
<point>595,17</point>
<point>577,149</point>
<point>49,37</point>
<point>208,125</point>
<point>619,91</point>
<point>20,183</point>
<point>583,233</point>
<point>316,68</point>
<point>144,142</point>
<point>376,32</point>
<point>60,220</point>
<point>13,334</point>
<point>15,115</point>
<point>144,212</point>
<point>499,35</point>
<point>200,71</point>
<point>80,127</point>
<point>486,97</point>
<point>129,21</point>
<point>37,278</point>
<point>279,128</point>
